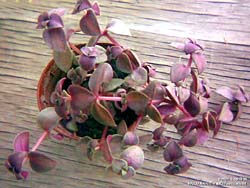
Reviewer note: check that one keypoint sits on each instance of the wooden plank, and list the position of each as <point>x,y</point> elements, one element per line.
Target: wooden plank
<point>222,27</point>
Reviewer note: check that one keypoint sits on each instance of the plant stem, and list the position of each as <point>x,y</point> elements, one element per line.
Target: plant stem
<point>105,33</point>
<point>107,98</point>
<point>75,49</point>
<point>135,124</point>
<point>104,133</point>
<point>181,108</point>
<point>40,140</point>
<point>190,61</point>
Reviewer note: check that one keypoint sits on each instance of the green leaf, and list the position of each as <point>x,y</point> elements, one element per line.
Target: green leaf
<point>130,173</point>
<point>140,76</point>
<point>102,115</point>
<point>47,119</point>
<point>63,59</point>
<point>40,163</point>
<point>118,165</point>
<point>154,114</point>
<point>123,63</point>
<point>137,101</point>
<point>113,84</point>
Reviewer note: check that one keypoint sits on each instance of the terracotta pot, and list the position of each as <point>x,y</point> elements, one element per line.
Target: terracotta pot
<point>46,85</point>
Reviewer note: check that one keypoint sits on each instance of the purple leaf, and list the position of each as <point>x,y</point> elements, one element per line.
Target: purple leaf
<point>166,109</point>
<point>24,174</point>
<point>145,139</point>
<point>172,151</point>
<point>15,162</point>
<point>183,94</point>
<point>89,24</point>
<point>42,20</point>
<point>81,5</point>
<point>21,142</point>
<point>241,95</point>
<point>123,63</point>
<point>55,38</point>
<point>190,48</point>
<point>155,90</point>
<point>96,8</point>
<point>40,162</point>
<point>130,138</point>
<point>183,163</point>
<point>178,45</point>
<point>116,51</point>
<point>171,93</point>
<point>202,136</point>
<point>226,92</point>
<point>200,61</point>
<point>103,74</point>
<point>81,98</point>
<point>134,156</point>
<point>172,169</point>
<point>88,59</point>
<point>102,115</point>
<point>48,119</point>
<point>137,101</point>
<point>154,114</point>
<point>58,11</point>
<point>118,27</point>
<point>157,133</point>
<point>192,105</point>
<point>55,21</point>
<point>189,139</point>
<point>225,114</point>
<point>179,72</point>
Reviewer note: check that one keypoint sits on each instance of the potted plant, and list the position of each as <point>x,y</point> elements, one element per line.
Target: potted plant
<point>98,93</point>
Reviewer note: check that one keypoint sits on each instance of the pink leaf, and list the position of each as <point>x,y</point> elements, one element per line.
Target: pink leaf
<point>21,142</point>
<point>103,74</point>
<point>226,114</point>
<point>137,101</point>
<point>89,24</point>
<point>118,27</point>
<point>55,38</point>
<point>226,92</point>
<point>202,136</point>
<point>81,98</point>
<point>179,72</point>
<point>200,61</point>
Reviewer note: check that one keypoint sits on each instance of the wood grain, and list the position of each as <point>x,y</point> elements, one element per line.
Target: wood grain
<point>222,26</point>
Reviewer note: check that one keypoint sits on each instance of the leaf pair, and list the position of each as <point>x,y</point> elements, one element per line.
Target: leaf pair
<point>38,161</point>
<point>173,153</point>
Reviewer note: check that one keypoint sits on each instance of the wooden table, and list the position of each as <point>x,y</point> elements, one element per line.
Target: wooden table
<point>222,26</point>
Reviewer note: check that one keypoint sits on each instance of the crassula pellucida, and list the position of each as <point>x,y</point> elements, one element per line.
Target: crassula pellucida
<point>105,91</point>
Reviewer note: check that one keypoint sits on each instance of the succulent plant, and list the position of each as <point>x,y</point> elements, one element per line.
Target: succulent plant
<point>105,91</point>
